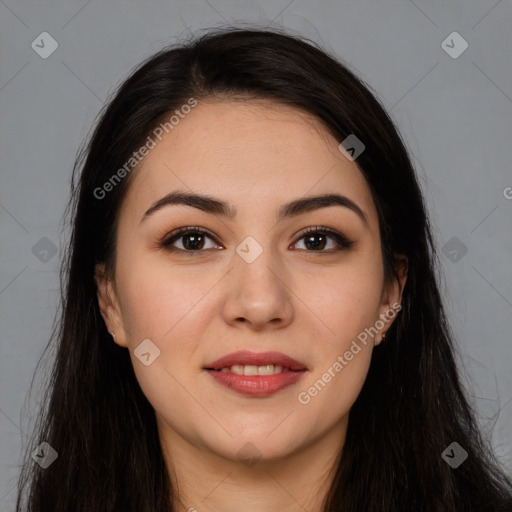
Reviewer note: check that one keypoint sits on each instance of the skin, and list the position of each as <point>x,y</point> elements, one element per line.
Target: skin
<point>297,300</point>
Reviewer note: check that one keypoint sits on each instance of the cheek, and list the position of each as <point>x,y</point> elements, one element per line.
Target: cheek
<point>347,305</point>
<point>166,308</point>
<point>345,299</point>
<point>173,310</point>
<point>157,300</point>
<point>338,375</point>
<point>328,397</point>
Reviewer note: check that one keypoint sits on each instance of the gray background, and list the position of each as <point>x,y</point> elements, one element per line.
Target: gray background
<point>455,116</point>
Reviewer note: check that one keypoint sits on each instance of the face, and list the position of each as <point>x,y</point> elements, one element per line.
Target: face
<point>251,281</point>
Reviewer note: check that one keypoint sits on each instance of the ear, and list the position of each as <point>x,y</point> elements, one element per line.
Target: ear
<point>392,298</point>
<point>109,304</point>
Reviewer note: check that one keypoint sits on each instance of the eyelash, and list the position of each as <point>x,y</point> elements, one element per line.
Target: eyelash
<point>343,242</point>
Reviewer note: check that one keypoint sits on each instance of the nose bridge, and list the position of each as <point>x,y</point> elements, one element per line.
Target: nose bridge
<point>256,265</point>
<point>256,291</point>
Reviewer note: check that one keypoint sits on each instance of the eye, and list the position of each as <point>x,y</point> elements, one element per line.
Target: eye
<point>316,239</point>
<point>192,240</point>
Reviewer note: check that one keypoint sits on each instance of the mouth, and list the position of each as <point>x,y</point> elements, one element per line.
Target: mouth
<point>253,362</point>
<point>251,369</point>
<point>256,374</point>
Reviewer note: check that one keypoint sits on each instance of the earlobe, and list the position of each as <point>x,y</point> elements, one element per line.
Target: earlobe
<point>108,304</point>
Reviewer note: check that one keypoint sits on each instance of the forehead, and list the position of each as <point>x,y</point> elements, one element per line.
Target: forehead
<point>252,154</point>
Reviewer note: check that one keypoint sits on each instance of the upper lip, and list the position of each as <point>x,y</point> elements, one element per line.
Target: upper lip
<point>245,357</point>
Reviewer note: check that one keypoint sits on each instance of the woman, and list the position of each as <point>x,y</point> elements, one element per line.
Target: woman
<point>251,317</point>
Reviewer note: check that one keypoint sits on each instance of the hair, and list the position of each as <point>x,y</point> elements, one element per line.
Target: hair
<point>412,404</point>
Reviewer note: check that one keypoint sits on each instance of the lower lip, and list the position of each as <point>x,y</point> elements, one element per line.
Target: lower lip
<point>257,385</point>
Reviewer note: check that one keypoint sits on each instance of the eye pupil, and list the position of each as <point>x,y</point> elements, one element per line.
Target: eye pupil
<point>308,241</point>
<point>194,244</point>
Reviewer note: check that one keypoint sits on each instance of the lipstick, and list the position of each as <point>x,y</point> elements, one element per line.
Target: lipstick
<point>256,374</point>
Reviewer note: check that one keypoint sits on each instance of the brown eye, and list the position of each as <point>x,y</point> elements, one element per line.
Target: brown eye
<point>316,239</point>
<point>195,240</point>
<point>190,239</point>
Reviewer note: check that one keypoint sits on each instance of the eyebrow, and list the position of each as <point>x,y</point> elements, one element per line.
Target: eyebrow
<point>215,206</point>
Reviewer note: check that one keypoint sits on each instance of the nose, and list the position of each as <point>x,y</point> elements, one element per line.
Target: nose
<point>257,294</point>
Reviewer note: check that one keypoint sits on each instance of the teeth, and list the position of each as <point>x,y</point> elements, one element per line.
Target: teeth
<point>264,370</point>
<point>250,369</point>
<point>238,369</point>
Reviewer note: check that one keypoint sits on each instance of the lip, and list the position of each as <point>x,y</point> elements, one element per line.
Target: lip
<point>246,357</point>
<point>256,385</point>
